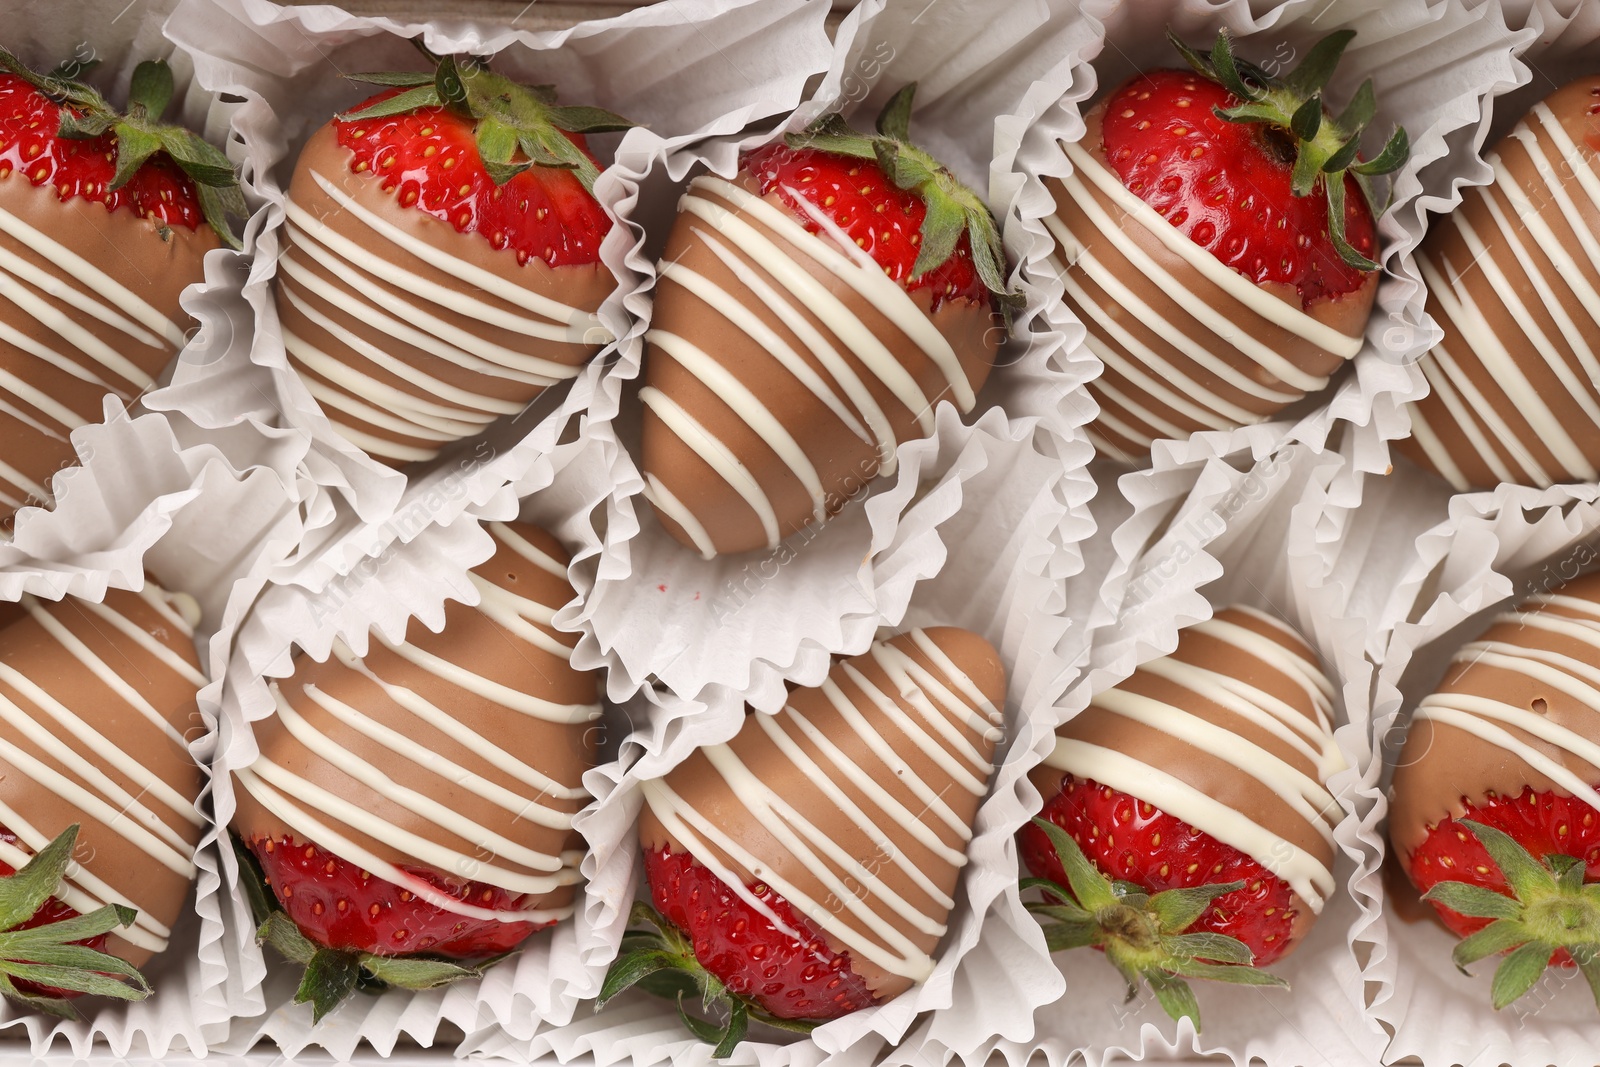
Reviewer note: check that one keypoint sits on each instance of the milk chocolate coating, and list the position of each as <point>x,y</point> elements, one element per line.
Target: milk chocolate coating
<point>479,644</point>
<point>1512,277</point>
<point>155,263</point>
<point>845,463</point>
<point>703,788</point>
<point>361,405</point>
<point>1241,791</point>
<point>1124,434</point>
<point>1443,767</point>
<point>104,848</point>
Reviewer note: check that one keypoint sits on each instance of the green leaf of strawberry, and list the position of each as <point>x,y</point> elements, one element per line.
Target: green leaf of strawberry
<point>1548,908</point>
<point>1143,935</point>
<point>46,955</point>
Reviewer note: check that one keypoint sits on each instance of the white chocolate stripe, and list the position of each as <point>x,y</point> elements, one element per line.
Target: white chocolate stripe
<point>150,644</point>
<point>490,690</point>
<point>304,228</point>
<point>80,269</point>
<point>1290,664</point>
<point>1472,722</point>
<point>465,405</point>
<point>834,313</point>
<point>1236,285</point>
<point>750,324</point>
<point>71,331</point>
<point>662,500</point>
<point>440,815</point>
<point>528,550</point>
<point>818,345</point>
<point>1288,783</point>
<point>1293,729</point>
<point>488,281</point>
<point>1436,370</point>
<point>951,765</point>
<point>293,815</point>
<point>1305,873</point>
<point>504,608</point>
<point>717,455</point>
<point>749,408</point>
<point>60,289</point>
<point>425,427</point>
<point>464,735</point>
<point>1142,312</point>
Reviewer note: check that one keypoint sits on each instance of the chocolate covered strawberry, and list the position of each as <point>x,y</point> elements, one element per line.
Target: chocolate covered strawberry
<point>1496,797</point>
<point>806,868</point>
<point>441,262</point>
<point>1216,237</point>
<point>811,314</point>
<point>408,820</point>
<point>105,219</point>
<point>1187,830</point>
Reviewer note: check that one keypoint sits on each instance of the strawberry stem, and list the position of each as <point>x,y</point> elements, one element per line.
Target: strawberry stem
<point>140,134</point>
<point>657,957</point>
<point>1324,149</point>
<point>1143,934</point>
<point>1548,907</point>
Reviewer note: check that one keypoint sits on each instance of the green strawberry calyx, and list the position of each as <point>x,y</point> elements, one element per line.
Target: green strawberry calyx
<point>1324,149</point>
<point>140,134</point>
<point>657,957</point>
<point>518,126</point>
<point>953,208</point>
<point>1143,934</point>
<point>1550,907</point>
<point>47,955</point>
<point>332,974</point>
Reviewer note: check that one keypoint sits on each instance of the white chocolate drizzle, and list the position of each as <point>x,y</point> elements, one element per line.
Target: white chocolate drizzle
<point>925,712</point>
<point>308,810</point>
<point>148,813</point>
<point>1502,724</point>
<point>398,288</point>
<point>1305,794</point>
<point>777,265</point>
<point>1529,256</point>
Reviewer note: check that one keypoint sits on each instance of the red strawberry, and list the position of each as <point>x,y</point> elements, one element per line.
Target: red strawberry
<point>806,868</point>
<point>1136,842</point>
<point>1258,173</point>
<point>781,371</point>
<point>442,262</point>
<point>340,906</point>
<point>76,322</point>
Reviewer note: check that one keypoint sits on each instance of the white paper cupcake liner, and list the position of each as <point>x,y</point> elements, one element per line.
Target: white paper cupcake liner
<point>779,615</point>
<point>569,491</point>
<point>1432,64</point>
<point>668,66</point>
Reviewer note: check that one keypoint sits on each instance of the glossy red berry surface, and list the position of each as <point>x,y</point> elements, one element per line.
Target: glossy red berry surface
<point>83,170</point>
<point>1226,185</point>
<point>1133,841</point>
<point>53,911</point>
<point>790,977</point>
<point>1542,823</point>
<point>882,220</point>
<point>338,905</point>
<point>428,160</point>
